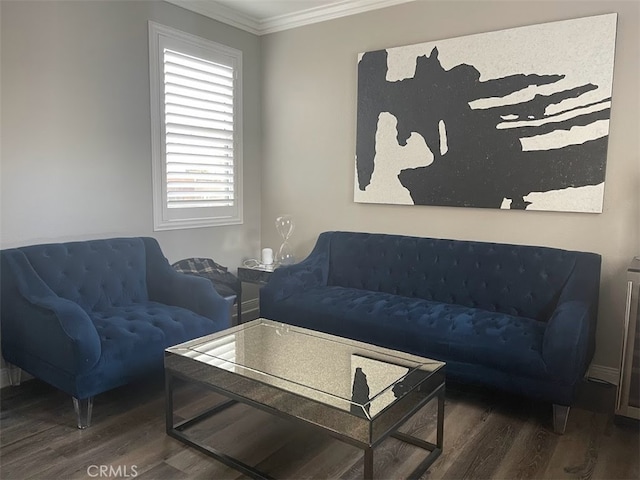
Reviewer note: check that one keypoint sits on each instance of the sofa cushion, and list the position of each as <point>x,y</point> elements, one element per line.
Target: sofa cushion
<point>427,328</point>
<point>126,332</point>
<point>95,274</point>
<point>516,280</point>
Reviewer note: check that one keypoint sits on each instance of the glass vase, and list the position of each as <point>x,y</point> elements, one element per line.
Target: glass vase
<point>285,226</point>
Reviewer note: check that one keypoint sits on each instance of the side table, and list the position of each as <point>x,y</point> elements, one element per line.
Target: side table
<point>259,274</point>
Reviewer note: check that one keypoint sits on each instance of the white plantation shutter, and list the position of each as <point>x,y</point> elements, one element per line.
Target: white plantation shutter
<point>199,131</point>
<point>197,148</point>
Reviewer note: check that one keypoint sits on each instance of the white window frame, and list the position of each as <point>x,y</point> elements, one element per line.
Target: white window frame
<point>164,218</point>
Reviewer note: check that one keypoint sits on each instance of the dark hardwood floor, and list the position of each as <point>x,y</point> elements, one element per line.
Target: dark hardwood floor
<point>487,435</point>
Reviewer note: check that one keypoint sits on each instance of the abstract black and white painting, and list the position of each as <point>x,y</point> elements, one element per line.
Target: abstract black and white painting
<point>514,119</point>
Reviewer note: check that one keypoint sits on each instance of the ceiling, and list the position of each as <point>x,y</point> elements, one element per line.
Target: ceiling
<point>268,16</point>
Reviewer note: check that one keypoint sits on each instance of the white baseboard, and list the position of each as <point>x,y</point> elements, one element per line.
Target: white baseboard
<point>604,374</point>
<point>4,377</point>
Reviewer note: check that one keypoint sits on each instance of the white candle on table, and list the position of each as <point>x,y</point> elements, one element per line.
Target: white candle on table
<point>267,256</point>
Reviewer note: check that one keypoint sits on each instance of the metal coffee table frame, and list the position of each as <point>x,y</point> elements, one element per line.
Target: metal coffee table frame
<point>432,388</point>
<point>177,431</point>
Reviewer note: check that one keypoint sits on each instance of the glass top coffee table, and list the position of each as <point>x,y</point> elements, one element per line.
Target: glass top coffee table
<point>353,391</point>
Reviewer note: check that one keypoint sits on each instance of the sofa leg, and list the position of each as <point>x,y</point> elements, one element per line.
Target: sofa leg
<point>15,375</point>
<point>83,408</point>
<point>560,416</point>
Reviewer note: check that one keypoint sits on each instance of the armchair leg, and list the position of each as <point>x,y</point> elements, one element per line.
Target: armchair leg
<point>83,408</point>
<point>15,375</point>
<point>560,416</point>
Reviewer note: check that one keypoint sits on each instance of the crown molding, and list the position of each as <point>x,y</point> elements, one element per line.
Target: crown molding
<point>322,14</point>
<point>221,13</point>
<point>279,23</point>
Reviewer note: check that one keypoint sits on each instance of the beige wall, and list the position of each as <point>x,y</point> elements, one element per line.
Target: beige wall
<point>76,135</point>
<point>309,111</point>
<point>75,146</point>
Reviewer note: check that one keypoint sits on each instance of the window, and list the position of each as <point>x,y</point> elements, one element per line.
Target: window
<point>196,130</point>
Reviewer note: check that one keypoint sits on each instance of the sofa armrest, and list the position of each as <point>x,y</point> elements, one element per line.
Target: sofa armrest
<point>569,339</point>
<point>313,271</point>
<point>37,322</point>
<point>166,285</point>
<point>565,344</point>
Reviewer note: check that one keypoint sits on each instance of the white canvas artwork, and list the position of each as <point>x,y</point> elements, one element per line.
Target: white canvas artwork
<point>514,119</point>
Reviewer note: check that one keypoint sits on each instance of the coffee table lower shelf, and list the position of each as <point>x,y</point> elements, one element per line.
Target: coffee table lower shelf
<point>177,431</point>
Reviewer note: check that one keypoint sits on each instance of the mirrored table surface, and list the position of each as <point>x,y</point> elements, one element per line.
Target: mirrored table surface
<point>354,391</point>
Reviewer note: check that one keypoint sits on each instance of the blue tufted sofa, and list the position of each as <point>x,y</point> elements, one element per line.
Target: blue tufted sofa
<point>519,318</point>
<point>93,315</point>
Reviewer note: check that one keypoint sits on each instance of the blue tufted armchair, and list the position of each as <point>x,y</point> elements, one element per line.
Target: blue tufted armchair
<point>93,315</point>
